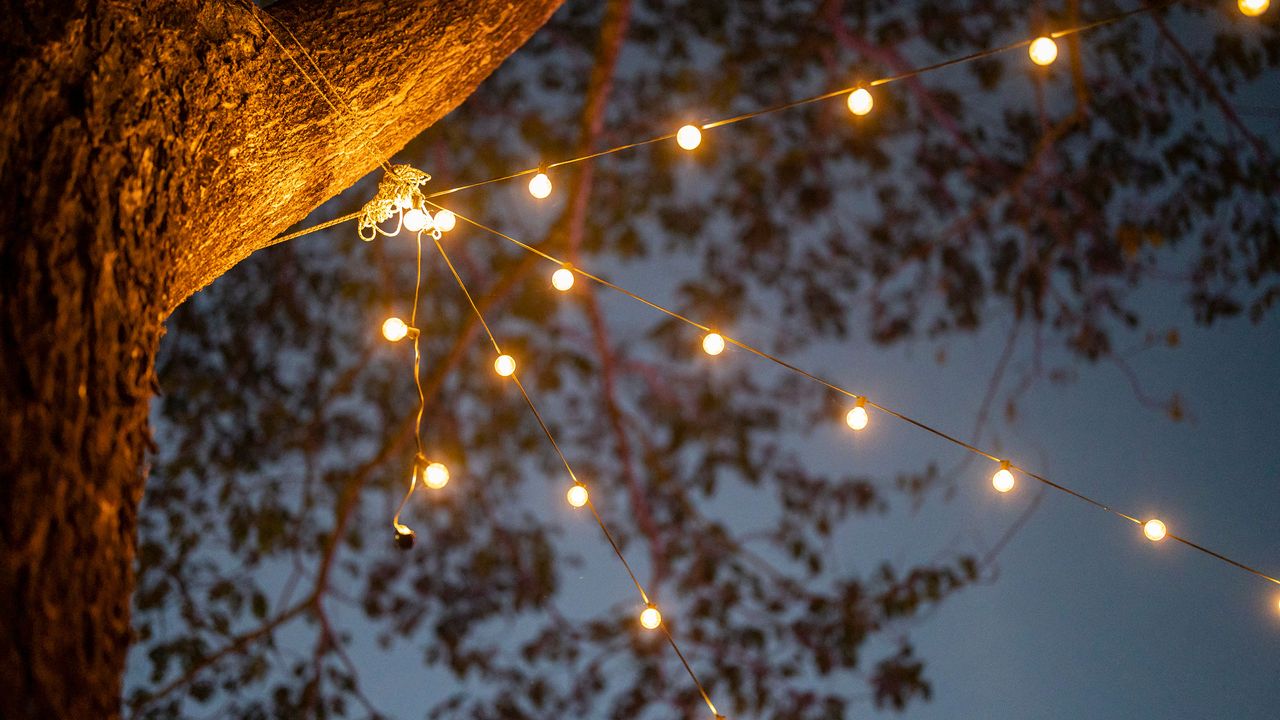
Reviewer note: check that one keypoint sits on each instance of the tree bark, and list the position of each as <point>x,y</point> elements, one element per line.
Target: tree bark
<point>146,147</point>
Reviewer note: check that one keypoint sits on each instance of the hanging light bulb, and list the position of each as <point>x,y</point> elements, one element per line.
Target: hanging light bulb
<point>1003,480</point>
<point>540,186</point>
<point>445,220</point>
<point>1043,50</point>
<point>404,537</point>
<point>435,476</point>
<point>713,343</point>
<point>415,220</point>
<point>857,417</point>
<point>650,618</point>
<point>688,137</point>
<point>1155,530</point>
<point>1254,8</point>
<point>860,101</point>
<point>577,495</point>
<point>505,365</point>
<point>562,279</point>
<point>394,329</point>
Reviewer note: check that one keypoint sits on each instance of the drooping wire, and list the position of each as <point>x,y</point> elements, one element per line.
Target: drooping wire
<point>420,458</point>
<point>976,55</point>
<point>644,596</point>
<point>848,393</point>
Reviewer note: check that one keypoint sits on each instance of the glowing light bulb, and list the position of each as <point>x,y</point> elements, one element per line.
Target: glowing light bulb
<point>1254,8</point>
<point>1003,480</point>
<point>577,496</point>
<point>445,220</point>
<point>688,137</point>
<point>1043,51</point>
<point>540,186</point>
<point>562,279</point>
<point>435,476</point>
<point>394,329</point>
<point>650,618</point>
<point>415,220</point>
<point>505,365</point>
<point>713,344</point>
<point>857,417</point>
<point>860,101</point>
<point>1154,530</point>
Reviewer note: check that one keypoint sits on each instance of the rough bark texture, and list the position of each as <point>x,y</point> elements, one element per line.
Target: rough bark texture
<point>145,148</point>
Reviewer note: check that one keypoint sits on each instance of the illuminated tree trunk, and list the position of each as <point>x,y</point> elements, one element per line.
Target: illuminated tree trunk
<point>145,149</point>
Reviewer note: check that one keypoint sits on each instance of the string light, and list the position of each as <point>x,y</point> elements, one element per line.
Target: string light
<point>540,186</point>
<point>836,388</point>
<point>394,329</point>
<point>1043,50</point>
<point>445,221</point>
<point>505,365</point>
<point>1154,530</point>
<point>860,101</point>
<point>688,137</point>
<point>1003,481</point>
<point>857,417</point>
<point>1254,8</point>
<point>656,619</point>
<point>650,618</point>
<point>562,279</point>
<point>415,220</point>
<point>435,476</point>
<point>973,56</point>
<point>713,343</point>
<point>577,495</point>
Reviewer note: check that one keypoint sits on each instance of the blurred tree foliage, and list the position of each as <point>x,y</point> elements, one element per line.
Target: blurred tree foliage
<point>993,189</point>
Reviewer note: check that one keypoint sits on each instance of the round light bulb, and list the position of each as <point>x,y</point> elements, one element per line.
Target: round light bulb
<point>445,220</point>
<point>562,279</point>
<point>1003,480</point>
<point>1043,51</point>
<point>651,618</point>
<point>394,329</point>
<point>713,344</point>
<point>540,186</point>
<point>1154,530</point>
<point>415,220</point>
<point>857,418</point>
<point>505,365</point>
<point>688,137</point>
<point>860,101</point>
<point>1254,8</point>
<point>577,496</point>
<point>436,476</point>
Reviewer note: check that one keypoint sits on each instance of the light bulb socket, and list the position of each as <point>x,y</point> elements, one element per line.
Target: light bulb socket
<point>860,401</point>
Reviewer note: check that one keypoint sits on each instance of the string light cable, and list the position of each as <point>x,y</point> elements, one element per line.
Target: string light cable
<point>254,11</point>
<point>1002,480</point>
<point>859,98</point>
<point>650,617</point>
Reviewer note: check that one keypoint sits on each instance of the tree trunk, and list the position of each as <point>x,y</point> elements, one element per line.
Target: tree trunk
<point>145,148</point>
